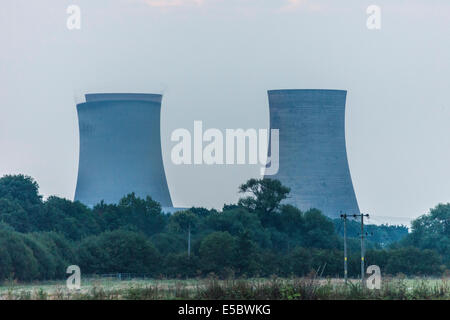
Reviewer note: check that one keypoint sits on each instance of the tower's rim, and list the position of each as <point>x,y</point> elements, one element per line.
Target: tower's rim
<point>305,90</point>
<point>111,96</point>
<point>151,103</point>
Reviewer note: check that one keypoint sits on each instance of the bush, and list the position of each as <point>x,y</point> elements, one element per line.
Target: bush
<point>179,265</point>
<point>217,252</point>
<point>118,251</point>
<point>16,258</point>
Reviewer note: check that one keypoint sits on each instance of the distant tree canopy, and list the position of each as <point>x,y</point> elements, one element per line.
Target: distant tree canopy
<point>265,195</point>
<point>20,188</point>
<point>380,236</point>
<point>118,251</point>
<point>20,202</point>
<point>258,236</point>
<point>432,231</point>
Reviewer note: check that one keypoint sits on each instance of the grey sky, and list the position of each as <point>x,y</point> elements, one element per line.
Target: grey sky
<point>214,60</point>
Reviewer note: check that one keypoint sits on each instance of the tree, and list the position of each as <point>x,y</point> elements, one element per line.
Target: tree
<point>179,265</point>
<point>248,258</point>
<point>20,202</point>
<point>167,243</point>
<point>145,214</point>
<point>432,231</point>
<point>217,251</point>
<point>265,195</point>
<point>235,221</point>
<point>300,261</point>
<point>20,187</point>
<point>118,251</point>
<point>12,213</point>
<point>292,224</point>
<point>17,258</point>
<point>413,261</point>
<point>184,221</point>
<point>73,219</point>
<point>318,231</point>
<point>60,248</point>
<point>46,261</point>
<point>259,236</point>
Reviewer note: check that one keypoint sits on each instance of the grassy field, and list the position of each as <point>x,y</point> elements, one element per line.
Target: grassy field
<point>236,289</point>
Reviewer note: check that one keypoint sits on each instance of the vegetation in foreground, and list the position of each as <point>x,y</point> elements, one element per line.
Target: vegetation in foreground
<point>257,237</point>
<point>307,288</point>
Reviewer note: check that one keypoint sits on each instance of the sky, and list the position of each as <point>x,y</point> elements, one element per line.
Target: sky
<point>214,60</point>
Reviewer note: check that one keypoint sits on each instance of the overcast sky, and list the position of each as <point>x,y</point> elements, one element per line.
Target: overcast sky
<point>214,60</point>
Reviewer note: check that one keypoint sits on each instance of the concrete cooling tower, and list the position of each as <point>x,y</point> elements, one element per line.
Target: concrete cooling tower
<point>120,149</point>
<point>312,151</point>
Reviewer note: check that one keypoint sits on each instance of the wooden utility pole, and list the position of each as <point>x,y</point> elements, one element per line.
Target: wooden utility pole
<point>344,217</point>
<point>362,243</point>
<point>189,240</point>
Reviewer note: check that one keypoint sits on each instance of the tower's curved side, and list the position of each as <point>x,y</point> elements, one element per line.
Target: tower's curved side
<point>120,149</point>
<point>312,149</point>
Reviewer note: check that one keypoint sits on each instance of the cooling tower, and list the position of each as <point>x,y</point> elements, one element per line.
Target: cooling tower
<point>120,149</point>
<point>312,151</point>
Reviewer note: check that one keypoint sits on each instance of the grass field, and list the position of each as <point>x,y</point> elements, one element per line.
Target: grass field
<point>236,289</point>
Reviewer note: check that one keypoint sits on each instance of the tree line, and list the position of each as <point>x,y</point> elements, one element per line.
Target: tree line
<point>257,237</point>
